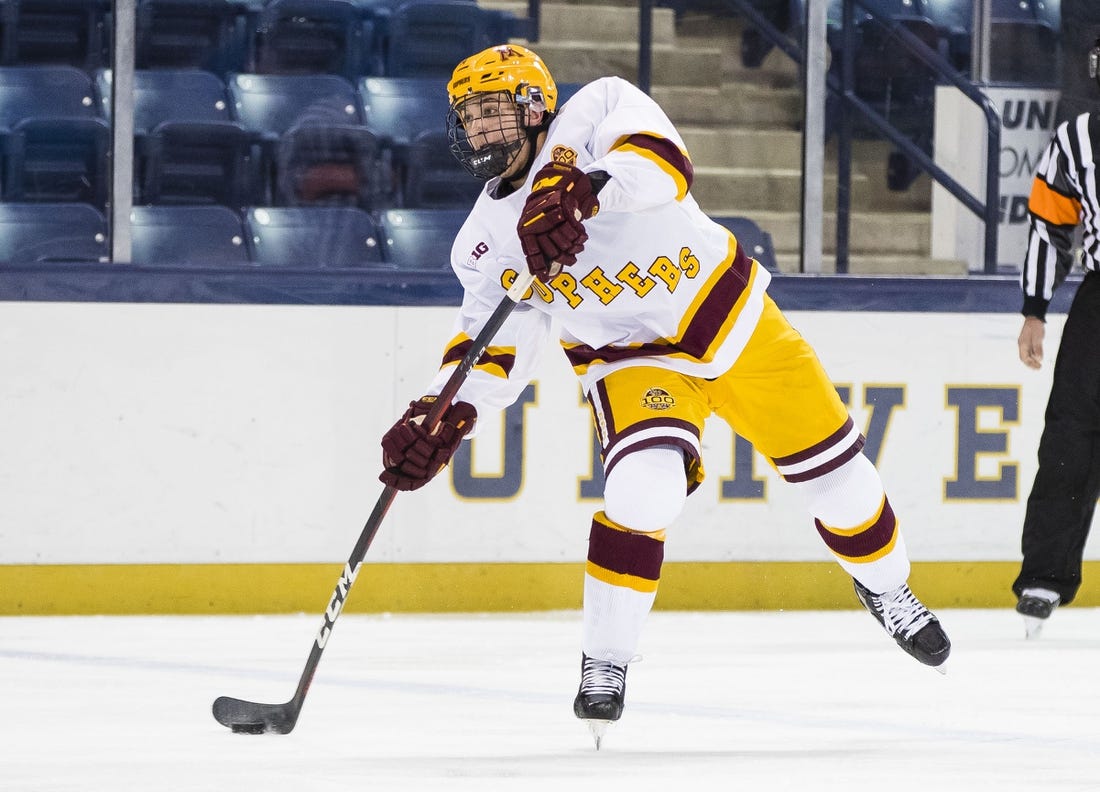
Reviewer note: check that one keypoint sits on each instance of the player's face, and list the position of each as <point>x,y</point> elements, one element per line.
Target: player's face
<point>490,134</point>
<point>490,120</point>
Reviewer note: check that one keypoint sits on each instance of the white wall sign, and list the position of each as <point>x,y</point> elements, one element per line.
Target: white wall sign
<point>1027,122</point>
<point>250,434</point>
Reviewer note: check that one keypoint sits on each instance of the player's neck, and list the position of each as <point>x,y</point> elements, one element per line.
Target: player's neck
<point>516,181</point>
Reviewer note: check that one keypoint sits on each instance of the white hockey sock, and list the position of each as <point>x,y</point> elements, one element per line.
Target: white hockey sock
<point>643,494</point>
<point>613,620</point>
<point>857,523</point>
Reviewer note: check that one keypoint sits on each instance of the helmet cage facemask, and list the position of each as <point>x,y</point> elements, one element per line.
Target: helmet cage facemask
<point>493,159</point>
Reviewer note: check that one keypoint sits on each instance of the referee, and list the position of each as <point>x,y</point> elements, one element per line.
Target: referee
<point>1064,195</point>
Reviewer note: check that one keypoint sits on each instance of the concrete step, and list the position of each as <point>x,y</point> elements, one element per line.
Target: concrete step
<point>893,233</point>
<point>768,148</point>
<point>562,22</point>
<point>714,150</point>
<point>777,68</point>
<point>747,147</point>
<point>739,104</point>
<point>582,61</point>
<point>700,24</point>
<point>727,190</point>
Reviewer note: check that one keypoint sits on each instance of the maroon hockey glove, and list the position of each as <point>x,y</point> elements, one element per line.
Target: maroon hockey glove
<point>411,456</point>
<point>551,227</point>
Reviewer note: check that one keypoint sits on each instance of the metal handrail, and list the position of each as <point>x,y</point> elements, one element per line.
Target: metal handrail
<point>844,88</point>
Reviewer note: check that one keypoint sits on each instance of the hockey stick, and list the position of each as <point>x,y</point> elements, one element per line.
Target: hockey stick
<point>250,717</point>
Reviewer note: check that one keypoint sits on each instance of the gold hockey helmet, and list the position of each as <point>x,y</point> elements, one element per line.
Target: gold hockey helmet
<point>506,67</point>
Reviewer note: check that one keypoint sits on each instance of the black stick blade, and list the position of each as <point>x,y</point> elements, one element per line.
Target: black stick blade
<point>250,717</point>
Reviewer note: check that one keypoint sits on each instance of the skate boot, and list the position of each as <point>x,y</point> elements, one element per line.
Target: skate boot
<point>911,624</point>
<point>1036,605</point>
<point>599,700</point>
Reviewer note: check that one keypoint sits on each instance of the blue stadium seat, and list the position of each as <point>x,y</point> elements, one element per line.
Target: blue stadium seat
<point>191,34</point>
<point>955,21</point>
<point>398,109</point>
<point>54,145</point>
<point>331,164</point>
<point>170,95</point>
<point>270,104</point>
<point>1024,36</point>
<point>886,73</point>
<point>312,237</point>
<point>187,148</point>
<point>315,37</point>
<point>323,112</point>
<point>426,38</point>
<point>45,91</point>
<point>31,233</point>
<point>198,235</point>
<point>435,179</point>
<point>57,160</point>
<point>1048,12</point>
<point>756,241</point>
<point>180,162</point>
<point>72,32</point>
<point>1022,43</point>
<point>420,239</point>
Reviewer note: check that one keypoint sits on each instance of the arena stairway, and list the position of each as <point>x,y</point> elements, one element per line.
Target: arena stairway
<point>741,126</point>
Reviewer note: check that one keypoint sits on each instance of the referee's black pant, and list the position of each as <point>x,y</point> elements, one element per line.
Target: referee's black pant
<point>1067,485</point>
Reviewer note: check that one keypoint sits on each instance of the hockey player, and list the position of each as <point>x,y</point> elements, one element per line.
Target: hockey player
<point>665,320</point>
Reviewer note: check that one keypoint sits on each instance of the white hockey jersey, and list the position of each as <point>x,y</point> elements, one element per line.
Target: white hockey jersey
<point>657,284</point>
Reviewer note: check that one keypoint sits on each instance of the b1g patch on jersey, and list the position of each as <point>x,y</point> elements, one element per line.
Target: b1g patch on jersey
<point>564,155</point>
<point>479,250</point>
<point>658,399</point>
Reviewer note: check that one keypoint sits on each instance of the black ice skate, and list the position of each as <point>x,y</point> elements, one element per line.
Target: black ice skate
<point>1036,605</point>
<point>599,700</point>
<point>911,624</point>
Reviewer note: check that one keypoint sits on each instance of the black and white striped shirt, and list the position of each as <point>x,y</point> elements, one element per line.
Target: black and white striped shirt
<point>1065,194</point>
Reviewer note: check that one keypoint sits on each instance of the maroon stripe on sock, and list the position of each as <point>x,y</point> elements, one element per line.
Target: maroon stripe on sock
<point>865,543</point>
<point>625,553</point>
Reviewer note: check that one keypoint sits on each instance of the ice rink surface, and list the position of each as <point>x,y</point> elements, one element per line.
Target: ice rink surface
<point>743,701</point>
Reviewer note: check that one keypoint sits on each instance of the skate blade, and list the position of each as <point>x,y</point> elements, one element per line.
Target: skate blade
<point>1033,627</point>
<point>598,728</point>
<point>941,668</point>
